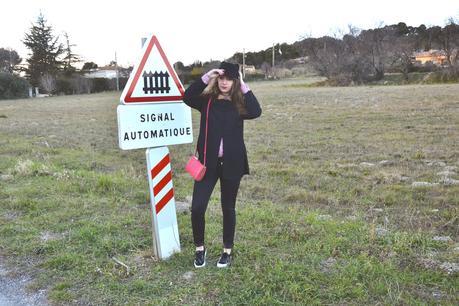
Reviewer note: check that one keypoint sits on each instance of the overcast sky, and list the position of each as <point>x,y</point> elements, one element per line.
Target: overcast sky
<point>204,30</point>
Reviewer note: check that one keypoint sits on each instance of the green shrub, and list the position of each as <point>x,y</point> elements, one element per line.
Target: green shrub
<point>447,75</point>
<point>64,85</point>
<point>101,84</point>
<point>104,84</point>
<point>13,86</point>
<point>254,77</point>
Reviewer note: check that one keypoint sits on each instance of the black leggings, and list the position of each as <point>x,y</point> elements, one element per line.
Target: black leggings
<point>201,195</point>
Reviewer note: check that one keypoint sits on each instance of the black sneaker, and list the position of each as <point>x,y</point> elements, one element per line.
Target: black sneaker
<point>200,259</point>
<point>224,261</point>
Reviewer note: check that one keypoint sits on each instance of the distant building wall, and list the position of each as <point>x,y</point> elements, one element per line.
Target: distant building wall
<point>249,69</point>
<point>437,57</point>
<point>103,72</point>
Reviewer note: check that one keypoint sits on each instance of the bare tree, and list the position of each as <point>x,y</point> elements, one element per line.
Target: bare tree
<point>321,56</point>
<point>266,68</point>
<point>339,60</point>
<point>48,83</point>
<point>401,54</point>
<point>353,30</point>
<point>375,45</point>
<point>449,41</point>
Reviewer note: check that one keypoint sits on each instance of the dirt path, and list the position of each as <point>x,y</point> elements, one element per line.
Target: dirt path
<point>13,290</point>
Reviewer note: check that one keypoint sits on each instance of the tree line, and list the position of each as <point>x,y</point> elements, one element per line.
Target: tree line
<point>360,56</point>
<point>51,66</point>
<point>356,57</point>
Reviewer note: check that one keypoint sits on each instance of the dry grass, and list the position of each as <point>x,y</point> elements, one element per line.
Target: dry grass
<point>330,194</point>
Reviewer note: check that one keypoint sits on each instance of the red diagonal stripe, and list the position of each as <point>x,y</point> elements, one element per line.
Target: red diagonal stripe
<point>160,166</point>
<point>166,179</point>
<point>164,200</point>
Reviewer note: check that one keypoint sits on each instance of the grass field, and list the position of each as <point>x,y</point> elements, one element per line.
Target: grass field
<point>352,199</point>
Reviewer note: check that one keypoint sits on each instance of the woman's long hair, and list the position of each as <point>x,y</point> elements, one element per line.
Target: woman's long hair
<point>237,98</point>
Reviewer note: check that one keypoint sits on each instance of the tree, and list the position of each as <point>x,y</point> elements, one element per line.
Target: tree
<point>356,67</point>
<point>197,71</point>
<point>449,41</point>
<point>48,82</point>
<point>422,38</point>
<point>266,68</point>
<point>45,51</point>
<point>9,59</point>
<point>12,86</point>
<point>327,55</point>
<point>374,43</point>
<point>433,34</point>
<point>69,57</point>
<point>401,54</point>
<point>88,66</point>
<point>179,66</point>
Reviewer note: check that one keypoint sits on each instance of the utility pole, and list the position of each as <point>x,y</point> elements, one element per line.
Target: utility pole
<point>117,74</point>
<point>273,56</point>
<point>243,63</point>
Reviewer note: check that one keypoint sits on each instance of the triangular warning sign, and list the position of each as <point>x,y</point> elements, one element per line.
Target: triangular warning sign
<point>153,78</point>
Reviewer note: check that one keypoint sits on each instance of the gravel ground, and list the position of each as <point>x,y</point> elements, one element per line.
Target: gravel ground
<point>13,290</point>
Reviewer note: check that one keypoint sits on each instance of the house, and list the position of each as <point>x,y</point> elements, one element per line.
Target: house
<point>249,69</point>
<point>108,72</point>
<point>301,60</point>
<point>436,57</point>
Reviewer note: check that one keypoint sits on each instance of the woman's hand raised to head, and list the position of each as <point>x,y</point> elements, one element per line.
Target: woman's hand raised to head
<point>244,87</point>
<point>240,78</point>
<point>211,73</point>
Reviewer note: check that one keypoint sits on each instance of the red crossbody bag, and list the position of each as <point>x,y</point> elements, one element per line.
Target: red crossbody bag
<point>194,166</point>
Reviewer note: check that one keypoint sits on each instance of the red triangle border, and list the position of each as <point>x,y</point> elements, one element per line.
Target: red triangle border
<point>130,99</point>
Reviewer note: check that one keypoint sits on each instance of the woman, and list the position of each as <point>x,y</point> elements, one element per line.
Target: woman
<point>231,101</point>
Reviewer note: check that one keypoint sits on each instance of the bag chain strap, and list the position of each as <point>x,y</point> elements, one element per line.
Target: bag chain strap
<point>205,141</point>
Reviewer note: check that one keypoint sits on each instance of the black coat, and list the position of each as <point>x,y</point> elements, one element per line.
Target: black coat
<point>224,122</point>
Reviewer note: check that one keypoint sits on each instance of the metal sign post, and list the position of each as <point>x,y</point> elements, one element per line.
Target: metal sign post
<point>153,115</point>
<point>164,219</point>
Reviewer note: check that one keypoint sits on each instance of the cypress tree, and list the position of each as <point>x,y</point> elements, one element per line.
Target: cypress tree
<point>69,56</point>
<point>45,51</point>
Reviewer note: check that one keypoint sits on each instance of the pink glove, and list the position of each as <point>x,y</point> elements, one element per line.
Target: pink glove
<point>244,87</point>
<point>206,77</point>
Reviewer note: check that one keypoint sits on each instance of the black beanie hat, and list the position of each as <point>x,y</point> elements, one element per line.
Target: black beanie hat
<point>231,70</point>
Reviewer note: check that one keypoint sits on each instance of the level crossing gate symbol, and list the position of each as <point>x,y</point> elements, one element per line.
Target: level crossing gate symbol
<point>156,82</point>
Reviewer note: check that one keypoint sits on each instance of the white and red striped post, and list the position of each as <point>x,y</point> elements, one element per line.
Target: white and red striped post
<point>165,230</point>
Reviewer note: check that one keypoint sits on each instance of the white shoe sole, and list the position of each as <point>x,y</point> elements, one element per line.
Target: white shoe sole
<point>219,265</point>
<point>196,266</point>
